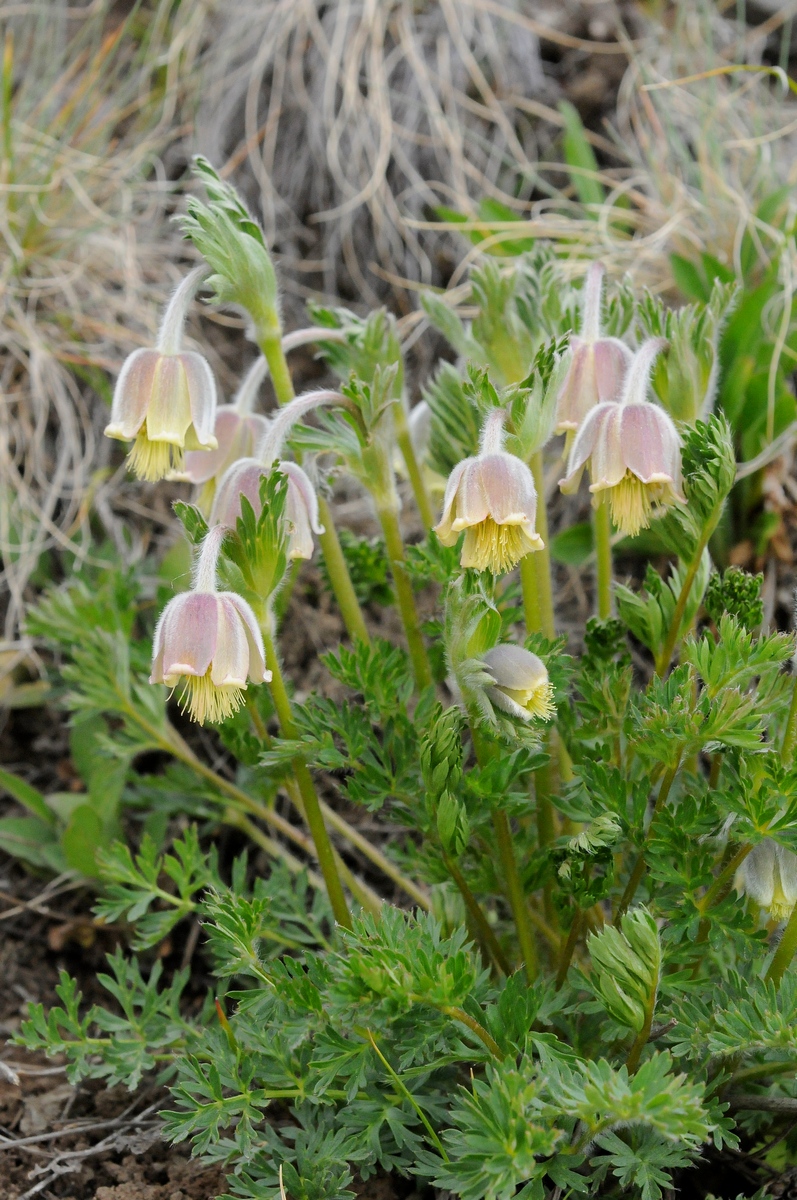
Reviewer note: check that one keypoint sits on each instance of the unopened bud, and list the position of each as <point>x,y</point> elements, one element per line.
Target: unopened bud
<point>165,398</point>
<point>492,497</point>
<point>633,451</point>
<point>522,687</point>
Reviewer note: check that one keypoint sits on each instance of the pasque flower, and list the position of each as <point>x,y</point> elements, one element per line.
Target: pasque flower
<point>243,479</point>
<point>769,876</point>
<point>492,497</point>
<point>633,450</point>
<point>165,398</point>
<point>597,364</point>
<point>209,643</point>
<point>238,432</point>
<point>521,687</point>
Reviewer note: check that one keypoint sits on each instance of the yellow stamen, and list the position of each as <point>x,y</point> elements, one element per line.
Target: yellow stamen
<point>154,460</point>
<point>209,701</point>
<point>631,503</point>
<point>493,547</point>
<point>537,701</point>
<point>781,906</point>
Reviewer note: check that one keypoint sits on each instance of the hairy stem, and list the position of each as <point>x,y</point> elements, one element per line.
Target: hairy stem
<point>639,866</point>
<point>407,449</point>
<point>665,658</point>
<point>790,732</point>
<point>785,951</point>
<point>602,528</point>
<point>568,949</point>
<point>388,519</point>
<point>309,797</point>
<point>641,1039</point>
<point>541,559</point>
<point>514,891</point>
<point>478,916</point>
<point>271,346</point>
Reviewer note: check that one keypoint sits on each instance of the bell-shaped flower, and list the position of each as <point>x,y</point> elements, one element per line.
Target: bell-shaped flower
<point>209,644</point>
<point>492,497</point>
<point>633,451</point>
<point>598,365</point>
<point>769,876</point>
<point>165,399</point>
<point>301,503</point>
<point>238,431</point>
<point>521,686</point>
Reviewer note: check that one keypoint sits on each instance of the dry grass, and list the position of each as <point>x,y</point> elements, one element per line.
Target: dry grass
<point>89,109</point>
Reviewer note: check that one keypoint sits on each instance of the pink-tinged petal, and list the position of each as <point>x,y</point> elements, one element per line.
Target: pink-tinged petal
<point>579,390</point>
<point>189,634</point>
<point>607,464</point>
<point>583,446</point>
<point>508,485</point>
<point>444,528</point>
<point>242,478</point>
<point>471,506</point>
<point>229,431</point>
<point>612,359</point>
<point>650,443</point>
<point>202,395</point>
<point>231,661</point>
<point>156,674</point>
<point>300,487</point>
<point>257,654</point>
<point>169,411</point>
<point>132,394</point>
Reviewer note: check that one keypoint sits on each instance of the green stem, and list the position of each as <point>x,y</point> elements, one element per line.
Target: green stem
<point>641,1039</point>
<point>413,469</point>
<point>531,599</point>
<point>665,658</point>
<point>388,519</point>
<point>312,809</point>
<point>790,732</point>
<point>785,951</point>
<point>542,558</point>
<point>722,884</point>
<point>514,890</point>
<point>761,1070</point>
<point>639,866</point>
<point>407,1094</point>
<point>479,919</point>
<point>602,528</point>
<point>568,950</point>
<point>459,1014</point>
<point>270,344</point>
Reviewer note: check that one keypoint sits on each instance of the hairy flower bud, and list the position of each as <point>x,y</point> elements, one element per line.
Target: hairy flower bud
<point>165,398</point>
<point>769,876</point>
<point>522,687</point>
<point>633,451</point>
<point>210,643</point>
<point>492,497</point>
<point>301,503</point>
<point>598,364</point>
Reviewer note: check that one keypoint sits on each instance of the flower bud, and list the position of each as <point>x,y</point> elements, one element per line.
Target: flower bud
<point>165,398</point>
<point>769,876</point>
<point>633,451</point>
<point>597,364</point>
<point>492,497</point>
<point>522,687</point>
<point>210,641</point>
<point>301,503</point>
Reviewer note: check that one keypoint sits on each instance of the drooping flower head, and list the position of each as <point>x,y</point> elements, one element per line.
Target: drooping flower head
<point>598,365</point>
<point>769,876</point>
<point>632,448</point>
<point>521,687</point>
<point>238,432</point>
<point>492,497</point>
<point>165,398</point>
<point>208,643</point>
<point>243,479</point>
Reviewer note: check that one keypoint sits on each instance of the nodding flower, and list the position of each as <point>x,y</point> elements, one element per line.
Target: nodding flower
<point>492,497</point>
<point>769,876</point>
<point>243,479</point>
<point>633,450</point>
<point>208,643</point>
<point>598,365</point>
<point>238,432</point>
<point>165,399</point>
<point>521,686</point>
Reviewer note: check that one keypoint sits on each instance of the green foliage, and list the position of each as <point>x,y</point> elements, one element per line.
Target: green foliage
<point>738,594</point>
<point>369,568</point>
<point>626,963</point>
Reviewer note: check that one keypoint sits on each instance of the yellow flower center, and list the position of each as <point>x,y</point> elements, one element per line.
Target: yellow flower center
<point>631,503</point>
<point>209,701</point>
<point>494,547</point>
<point>537,701</point>
<point>154,460</point>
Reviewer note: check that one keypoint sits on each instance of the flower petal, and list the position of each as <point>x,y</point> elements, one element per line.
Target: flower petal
<point>508,486</point>
<point>444,527</point>
<point>242,478</point>
<point>132,394</point>
<point>257,655</point>
<point>169,410</point>
<point>612,359</point>
<point>651,447</point>
<point>202,395</point>
<point>231,660</point>
<point>188,635</point>
<point>607,464</point>
<point>583,446</point>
